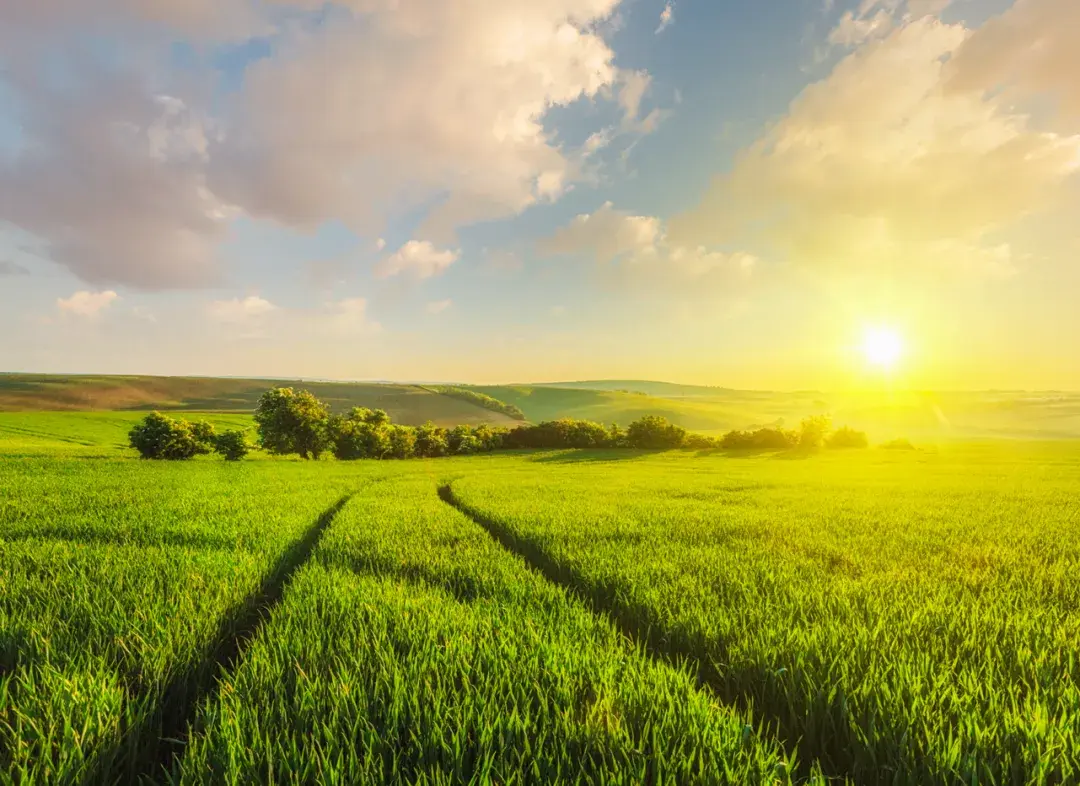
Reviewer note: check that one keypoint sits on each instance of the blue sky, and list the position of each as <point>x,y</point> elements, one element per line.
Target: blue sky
<point>539,190</point>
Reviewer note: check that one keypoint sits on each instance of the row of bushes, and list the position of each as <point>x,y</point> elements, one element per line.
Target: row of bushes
<point>479,399</point>
<point>161,437</point>
<point>295,422</point>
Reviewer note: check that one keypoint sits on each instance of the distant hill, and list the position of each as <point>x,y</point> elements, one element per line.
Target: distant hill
<point>409,404</point>
<point>920,416</point>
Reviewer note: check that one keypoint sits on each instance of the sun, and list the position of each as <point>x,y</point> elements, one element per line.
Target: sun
<point>882,347</point>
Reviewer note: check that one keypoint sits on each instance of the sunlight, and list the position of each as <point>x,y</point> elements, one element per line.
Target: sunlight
<point>882,347</point>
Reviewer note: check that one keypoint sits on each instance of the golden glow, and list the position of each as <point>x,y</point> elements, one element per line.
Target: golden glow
<point>882,347</point>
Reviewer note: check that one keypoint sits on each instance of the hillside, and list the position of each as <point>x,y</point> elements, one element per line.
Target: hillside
<point>407,404</point>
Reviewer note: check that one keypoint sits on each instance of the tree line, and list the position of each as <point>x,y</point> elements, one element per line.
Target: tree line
<point>479,399</point>
<point>290,422</point>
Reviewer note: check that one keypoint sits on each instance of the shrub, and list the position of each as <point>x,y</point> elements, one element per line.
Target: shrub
<point>654,432</point>
<point>161,437</point>
<point>401,441</point>
<point>354,438</point>
<point>898,444</point>
<point>232,445</point>
<point>479,399</point>
<point>846,437</point>
<point>760,439</point>
<point>431,441</point>
<point>700,442</point>
<point>204,436</point>
<point>292,422</point>
<point>813,431</point>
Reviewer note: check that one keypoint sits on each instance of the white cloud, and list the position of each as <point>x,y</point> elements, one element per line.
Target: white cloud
<point>387,107</point>
<point>239,310</point>
<point>439,306</point>
<point>380,244</point>
<point>1033,48</point>
<point>880,165</point>
<point>415,99</point>
<point>853,30</point>
<point>347,317</point>
<point>418,259</point>
<point>87,304</point>
<point>667,16</point>
<point>637,250</point>
<point>113,183</point>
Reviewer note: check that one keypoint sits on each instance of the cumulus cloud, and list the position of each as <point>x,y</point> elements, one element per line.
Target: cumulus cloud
<point>880,164</point>
<point>114,184</point>
<point>439,306</point>
<point>384,107</point>
<point>87,304</point>
<point>667,16</point>
<point>410,99</point>
<point>417,259</point>
<point>1034,47</point>
<point>636,249</point>
<point>239,310</point>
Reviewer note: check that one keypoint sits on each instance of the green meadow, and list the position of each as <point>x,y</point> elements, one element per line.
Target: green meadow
<point>865,616</point>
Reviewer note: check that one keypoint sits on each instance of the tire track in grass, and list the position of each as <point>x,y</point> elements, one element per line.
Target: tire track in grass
<point>160,736</point>
<point>602,602</point>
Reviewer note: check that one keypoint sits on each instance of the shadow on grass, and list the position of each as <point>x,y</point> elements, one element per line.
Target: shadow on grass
<point>150,749</point>
<point>755,688</point>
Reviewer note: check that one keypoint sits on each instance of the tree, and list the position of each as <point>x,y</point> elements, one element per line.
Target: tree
<point>354,438</point>
<point>161,437</point>
<point>292,422</point>
<point>402,442</point>
<point>431,441</point>
<point>813,431</point>
<point>846,437</point>
<point>232,445</point>
<point>654,432</point>
<point>204,436</point>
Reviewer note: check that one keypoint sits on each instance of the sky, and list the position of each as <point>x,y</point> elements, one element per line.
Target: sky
<point>722,192</point>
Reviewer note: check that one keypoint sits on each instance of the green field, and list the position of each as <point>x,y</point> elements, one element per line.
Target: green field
<point>927,417</point>
<point>863,616</point>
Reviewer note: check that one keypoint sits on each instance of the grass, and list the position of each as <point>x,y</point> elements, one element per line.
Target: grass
<point>912,615</point>
<point>865,616</point>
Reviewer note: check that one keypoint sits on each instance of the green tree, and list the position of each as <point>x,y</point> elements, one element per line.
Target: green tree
<point>847,437</point>
<point>813,431</point>
<point>158,436</point>
<point>232,444</point>
<point>654,432</point>
<point>431,441</point>
<point>401,441</point>
<point>292,422</point>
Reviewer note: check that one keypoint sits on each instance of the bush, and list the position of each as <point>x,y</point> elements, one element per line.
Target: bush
<point>401,441</point>
<point>700,442</point>
<point>760,439</point>
<point>354,438</point>
<point>898,444</point>
<point>232,445</point>
<point>846,437</point>
<point>431,441</point>
<point>161,437</point>
<point>813,431</point>
<point>292,422</point>
<point>654,432</point>
<point>479,399</point>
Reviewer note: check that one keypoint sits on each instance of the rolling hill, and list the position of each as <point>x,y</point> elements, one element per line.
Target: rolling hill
<point>407,404</point>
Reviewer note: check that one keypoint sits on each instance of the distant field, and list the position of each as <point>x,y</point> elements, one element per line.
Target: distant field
<point>864,617</point>
<point>926,417</point>
<point>408,404</point>
<point>884,415</point>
